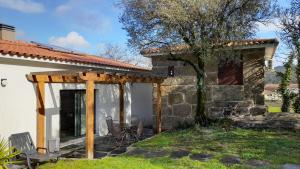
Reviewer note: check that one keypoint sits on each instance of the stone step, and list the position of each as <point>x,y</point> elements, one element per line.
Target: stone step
<point>221,112</point>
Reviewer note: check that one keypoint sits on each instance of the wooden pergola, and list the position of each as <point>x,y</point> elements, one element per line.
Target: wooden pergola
<point>90,78</point>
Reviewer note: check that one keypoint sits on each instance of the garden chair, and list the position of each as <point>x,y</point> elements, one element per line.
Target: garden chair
<point>23,142</point>
<point>109,123</point>
<point>139,130</point>
<point>115,131</point>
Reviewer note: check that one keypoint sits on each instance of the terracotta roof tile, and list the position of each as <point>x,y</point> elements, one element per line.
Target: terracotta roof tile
<point>237,43</point>
<point>273,87</point>
<point>32,50</point>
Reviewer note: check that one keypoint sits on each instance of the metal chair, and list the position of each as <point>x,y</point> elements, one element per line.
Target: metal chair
<point>23,142</point>
<point>115,131</point>
<point>139,131</point>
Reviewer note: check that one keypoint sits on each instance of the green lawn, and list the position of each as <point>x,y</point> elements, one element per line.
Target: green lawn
<point>276,148</point>
<point>272,109</point>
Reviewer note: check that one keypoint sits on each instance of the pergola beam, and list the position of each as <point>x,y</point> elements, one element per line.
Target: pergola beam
<point>40,115</point>
<point>54,78</point>
<point>89,78</point>
<point>90,102</point>
<point>122,112</point>
<point>81,77</point>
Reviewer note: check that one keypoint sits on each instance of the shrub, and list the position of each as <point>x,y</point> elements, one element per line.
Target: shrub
<point>225,123</point>
<point>6,154</point>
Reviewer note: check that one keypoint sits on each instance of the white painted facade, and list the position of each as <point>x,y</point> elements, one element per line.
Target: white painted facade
<point>18,99</point>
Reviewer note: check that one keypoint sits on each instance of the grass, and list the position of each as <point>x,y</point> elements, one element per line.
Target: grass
<point>273,109</point>
<point>275,147</point>
<point>274,106</point>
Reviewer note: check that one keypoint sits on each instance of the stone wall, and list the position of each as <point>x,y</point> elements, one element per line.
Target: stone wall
<point>179,92</point>
<point>254,75</point>
<point>178,100</point>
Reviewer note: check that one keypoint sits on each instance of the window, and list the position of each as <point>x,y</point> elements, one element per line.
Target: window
<point>230,71</point>
<point>171,71</point>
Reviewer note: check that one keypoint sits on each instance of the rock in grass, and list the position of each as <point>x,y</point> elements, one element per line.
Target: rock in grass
<point>136,152</point>
<point>99,155</point>
<point>104,148</point>
<point>119,150</point>
<point>230,160</point>
<point>258,163</point>
<point>201,157</point>
<point>153,154</point>
<point>179,153</point>
<point>291,166</point>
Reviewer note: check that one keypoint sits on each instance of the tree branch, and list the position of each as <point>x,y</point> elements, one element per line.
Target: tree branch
<point>175,58</point>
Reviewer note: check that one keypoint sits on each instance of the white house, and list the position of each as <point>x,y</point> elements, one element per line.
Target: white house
<point>271,92</point>
<point>64,103</point>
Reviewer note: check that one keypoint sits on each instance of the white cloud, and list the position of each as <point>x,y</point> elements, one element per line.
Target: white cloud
<point>26,6</point>
<point>87,15</point>
<point>62,9</point>
<point>72,40</point>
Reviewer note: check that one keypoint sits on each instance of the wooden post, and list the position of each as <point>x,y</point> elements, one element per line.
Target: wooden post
<point>121,96</point>
<point>90,86</point>
<point>40,89</point>
<point>158,109</point>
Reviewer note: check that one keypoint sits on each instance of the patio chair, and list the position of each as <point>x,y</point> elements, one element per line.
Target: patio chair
<point>109,123</point>
<point>139,131</point>
<point>115,131</point>
<point>23,142</point>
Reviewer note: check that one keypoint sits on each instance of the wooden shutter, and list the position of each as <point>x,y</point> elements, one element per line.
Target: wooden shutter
<point>230,72</point>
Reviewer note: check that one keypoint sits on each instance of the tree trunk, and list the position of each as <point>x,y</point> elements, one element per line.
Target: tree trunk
<point>200,110</point>
<point>297,101</point>
<point>286,102</point>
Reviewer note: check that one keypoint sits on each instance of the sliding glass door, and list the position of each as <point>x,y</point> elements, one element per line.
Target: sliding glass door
<point>72,114</point>
<point>80,113</point>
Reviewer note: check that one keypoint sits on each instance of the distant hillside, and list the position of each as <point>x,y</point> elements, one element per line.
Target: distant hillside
<point>271,78</point>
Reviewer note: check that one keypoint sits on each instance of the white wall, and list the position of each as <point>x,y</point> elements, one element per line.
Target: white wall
<point>18,100</point>
<point>107,104</point>
<point>141,102</point>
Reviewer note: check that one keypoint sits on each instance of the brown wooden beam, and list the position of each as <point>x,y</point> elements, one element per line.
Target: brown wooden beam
<point>121,103</point>
<point>158,109</point>
<point>90,102</point>
<point>54,78</point>
<point>99,77</point>
<point>40,89</point>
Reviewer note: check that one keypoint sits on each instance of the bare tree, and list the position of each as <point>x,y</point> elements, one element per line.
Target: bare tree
<point>290,34</point>
<point>122,54</point>
<point>199,25</point>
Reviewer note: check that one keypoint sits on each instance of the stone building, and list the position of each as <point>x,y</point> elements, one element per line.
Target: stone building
<point>234,76</point>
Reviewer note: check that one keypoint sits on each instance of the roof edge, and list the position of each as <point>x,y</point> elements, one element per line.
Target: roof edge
<point>81,58</point>
<point>246,44</point>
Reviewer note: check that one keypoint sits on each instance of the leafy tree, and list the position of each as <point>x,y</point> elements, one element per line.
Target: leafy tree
<point>201,26</point>
<point>286,94</point>
<point>290,21</point>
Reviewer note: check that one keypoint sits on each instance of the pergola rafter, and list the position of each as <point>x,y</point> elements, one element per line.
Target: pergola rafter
<point>90,78</point>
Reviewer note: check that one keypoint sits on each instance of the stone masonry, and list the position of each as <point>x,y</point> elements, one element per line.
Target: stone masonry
<point>179,92</point>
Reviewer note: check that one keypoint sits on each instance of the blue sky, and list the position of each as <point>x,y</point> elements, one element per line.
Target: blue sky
<point>89,24</point>
<point>83,25</point>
